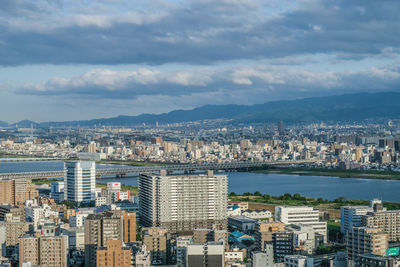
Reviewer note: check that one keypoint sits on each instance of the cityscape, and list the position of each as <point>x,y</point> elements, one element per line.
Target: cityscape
<point>198,133</point>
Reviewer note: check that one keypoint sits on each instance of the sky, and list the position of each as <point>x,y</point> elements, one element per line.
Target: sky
<point>80,59</point>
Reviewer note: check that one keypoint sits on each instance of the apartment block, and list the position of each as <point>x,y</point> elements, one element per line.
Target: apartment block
<point>114,255</point>
<point>98,230</point>
<point>157,241</point>
<point>264,231</point>
<point>16,192</point>
<point>183,203</point>
<point>388,221</point>
<point>364,240</point>
<point>45,251</point>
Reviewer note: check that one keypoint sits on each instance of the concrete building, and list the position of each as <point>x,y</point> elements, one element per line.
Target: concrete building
<point>80,181</point>
<point>44,251</point>
<point>264,259</point>
<point>183,203</point>
<point>371,260</point>
<point>14,230</point>
<point>114,255</point>
<point>202,255</point>
<point>257,214</point>
<point>282,245</point>
<point>303,215</point>
<point>351,216</point>
<point>242,224</point>
<point>388,221</point>
<point>12,213</point>
<point>16,192</point>
<point>298,261</point>
<point>264,231</point>
<point>364,240</point>
<point>129,226</point>
<point>98,230</point>
<point>157,241</point>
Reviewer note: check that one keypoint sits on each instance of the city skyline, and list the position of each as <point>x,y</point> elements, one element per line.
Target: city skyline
<point>65,60</point>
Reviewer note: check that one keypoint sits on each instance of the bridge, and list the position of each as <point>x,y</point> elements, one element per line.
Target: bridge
<point>187,168</point>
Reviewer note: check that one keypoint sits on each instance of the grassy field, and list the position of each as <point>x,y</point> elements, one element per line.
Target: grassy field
<point>258,201</point>
<point>366,174</point>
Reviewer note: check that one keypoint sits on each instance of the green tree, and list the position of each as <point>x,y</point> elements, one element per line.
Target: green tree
<point>257,193</point>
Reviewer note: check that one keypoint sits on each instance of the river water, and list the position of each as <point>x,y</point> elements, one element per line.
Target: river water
<point>272,184</point>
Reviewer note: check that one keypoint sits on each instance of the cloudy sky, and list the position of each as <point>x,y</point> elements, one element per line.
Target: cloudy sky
<point>81,59</point>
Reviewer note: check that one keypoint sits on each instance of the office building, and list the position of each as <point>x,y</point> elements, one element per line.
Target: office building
<point>157,241</point>
<point>371,260</point>
<point>264,231</point>
<point>301,215</point>
<point>44,251</point>
<point>80,181</point>
<point>183,203</point>
<point>16,192</point>
<point>364,240</point>
<point>209,254</point>
<point>114,255</point>
<point>98,230</point>
<point>57,191</point>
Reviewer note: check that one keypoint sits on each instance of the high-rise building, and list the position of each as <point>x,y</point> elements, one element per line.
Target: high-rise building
<point>114,255</point>
<point>80,181</point>
<point>209,254</point>
<point>14,230</point>
<point>264,231</point>
<point>388,221</point>
<point>364,240</point>
<point>351,216</point>
<point>16,192</point>
<point>183,203</point>
<point>98,230</point>
<point>46,251</point>
<point>129,225</point>
<point>157,241</point>
<point>301,215</point>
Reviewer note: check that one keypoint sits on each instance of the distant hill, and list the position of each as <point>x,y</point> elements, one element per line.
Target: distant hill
<point>3,124</point>
<point>341,108</point>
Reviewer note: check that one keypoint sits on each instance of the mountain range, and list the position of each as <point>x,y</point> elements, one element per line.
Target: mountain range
<point>340,108</point>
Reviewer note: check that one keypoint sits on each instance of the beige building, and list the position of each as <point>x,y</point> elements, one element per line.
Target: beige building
<point>129,225</point>
<point>183,203</point>
<point>14,230</point>
<point>98,230</point>
<point>15,192</point>
<point>388,221</point>
<point>46,251</point>
<point>264,232</point>
<point>364,240</point>
<point>114,255</point>
<point>157,242</point>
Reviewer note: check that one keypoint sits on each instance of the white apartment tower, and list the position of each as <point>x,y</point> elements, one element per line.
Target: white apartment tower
<point>80,181</point>
<point>183,203</point>
<point>301,215</point>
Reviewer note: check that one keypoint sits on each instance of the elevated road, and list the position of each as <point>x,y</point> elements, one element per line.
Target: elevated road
<point>124,171</point>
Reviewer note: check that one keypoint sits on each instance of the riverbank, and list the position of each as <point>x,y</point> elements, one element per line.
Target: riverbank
<point>258,201</point>
<point>134,190</point>
<point>364,174</point>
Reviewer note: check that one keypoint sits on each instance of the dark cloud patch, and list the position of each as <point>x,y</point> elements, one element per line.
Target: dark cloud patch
<point>195,32</point>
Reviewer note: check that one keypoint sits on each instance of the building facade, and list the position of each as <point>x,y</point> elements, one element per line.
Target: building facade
<point>183,203</point>
<point>80,181</point>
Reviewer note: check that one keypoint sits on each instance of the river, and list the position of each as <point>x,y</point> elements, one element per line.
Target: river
<point>272,184</point>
